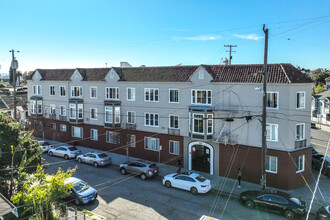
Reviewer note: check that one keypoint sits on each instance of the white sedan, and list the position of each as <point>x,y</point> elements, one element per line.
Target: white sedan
<point>45,146</point>
<point>192,182</point>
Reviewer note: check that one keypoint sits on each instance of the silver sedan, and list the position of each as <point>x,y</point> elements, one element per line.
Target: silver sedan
<point>96,159</point>
<point>65,151</point>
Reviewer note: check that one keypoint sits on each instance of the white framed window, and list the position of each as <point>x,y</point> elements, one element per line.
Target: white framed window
<point>131,118</point>
<point>174,122</point>
<point>80,111</point>
<point>151,143</point>
<point>131,140</point>
<point>130,94</point>
<point>189,122</point>
<point>117,114</point>
<point>112,93</point>
<point>36,90</point>
<point>53,126</point>
<point>271,164</point>
<point>151,119</point>
<point>94,135</point>
<point>93,92</point>
<point>39,107</point>
<point>62,110</point>
<point>151,95</point>
<point>300,100</point>
<point>272,100</point>
<point>62,127</point>
<point>112,137</point>
<point>300,131</point>
<point>51,90</point>
<point>94,113</point>
<point>173,96</point>
<point>33,107</point>
<point>272,132</point>
<point>209,124</point>
<point>198,123</point>
<point>174,147</point>
<point>62,91</point>
<point>76,91</point>
<point>77,132</point>
<point>52,109</point>
<point>300,164</point>
<point>73,111</point>
<point>108,114</point>
<point>201,96</point>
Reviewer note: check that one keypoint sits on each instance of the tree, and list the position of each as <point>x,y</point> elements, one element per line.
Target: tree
<point>319,76</point>
<point>318,89</point>
<point>40,195</point>
<point>18,150</point>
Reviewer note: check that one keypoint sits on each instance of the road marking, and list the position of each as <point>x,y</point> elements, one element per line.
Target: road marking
<point>318,144</point>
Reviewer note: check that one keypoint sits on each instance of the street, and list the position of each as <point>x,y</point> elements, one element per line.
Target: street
<point>128,197</point>
<point>319,138</point>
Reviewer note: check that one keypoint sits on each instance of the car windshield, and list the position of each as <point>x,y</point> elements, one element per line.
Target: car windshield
<point>72,148</point>
<point>328,209</point>
<point>45,143</point>
<point>200,178</point>
<point>295,200</point>
<point>80,187</point>
<point>153,165</point>
<point>102,155</point>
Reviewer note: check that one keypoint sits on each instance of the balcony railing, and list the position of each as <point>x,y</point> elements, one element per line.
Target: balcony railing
<point>130,126</point>
<point>172,131</point>
<point>227,139</point>
<point>52,116</point>
<point>300,143</point>
<point>62,118</point>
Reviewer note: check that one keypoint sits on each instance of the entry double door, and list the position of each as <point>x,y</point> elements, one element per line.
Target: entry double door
<point>200,156</point>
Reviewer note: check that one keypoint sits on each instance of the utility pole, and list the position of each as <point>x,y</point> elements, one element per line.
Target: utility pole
<point>264,103</point>
<point>230,51</point>
<point>14,66</point>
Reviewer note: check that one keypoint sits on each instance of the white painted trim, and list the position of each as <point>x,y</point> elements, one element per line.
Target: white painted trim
<point>144,94</point>
<point>191,144</point>
<point>90,114</point>
<point>194,102</point>
<point>133,89</point>
<point>278,99</point>
<point>303,164</point>
<point>90,92</point>
<point>169,147</point>
<point>304,100</point>
<point>169,121</point>
<point>51,90</point>
<point>169,95</point>
<point>134,118</point>
<point>269,171</point>
<point>59,88</point>
<point>116,90</point>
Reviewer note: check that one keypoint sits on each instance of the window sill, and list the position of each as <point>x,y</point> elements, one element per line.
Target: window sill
<point>268,171</point>
<point>300,171</point>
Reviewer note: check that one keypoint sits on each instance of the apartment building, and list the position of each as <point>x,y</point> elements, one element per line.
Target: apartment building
<point>207,115</point>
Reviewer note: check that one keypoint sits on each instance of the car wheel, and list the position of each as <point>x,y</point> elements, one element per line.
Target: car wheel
<point>143,176</point>
<point>76,202</point>
<point>66,157</point>
<point>249,204</point>
<point>95,164</point>
<point>194,191</point>
<point>168,184</point>
<point>289,214</point>
<point>79,160</point>
<point>123,171</point>
<point>50,153</point>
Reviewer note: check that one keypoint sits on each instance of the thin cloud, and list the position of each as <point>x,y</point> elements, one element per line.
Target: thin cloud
<point>202,37</point>
<point>248,36</point>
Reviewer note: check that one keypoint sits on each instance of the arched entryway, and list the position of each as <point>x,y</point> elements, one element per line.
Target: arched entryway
<point>201,157</point>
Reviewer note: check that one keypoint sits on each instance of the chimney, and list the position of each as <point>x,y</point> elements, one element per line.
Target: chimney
<point>125,64</point>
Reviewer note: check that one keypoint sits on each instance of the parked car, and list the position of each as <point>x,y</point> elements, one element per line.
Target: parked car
<point>192,182</point>
<point>323,213</point>
<point>279,201</point>
<point>144,169</point>
<point>96,159</point>
<point>314,152</point>
<point>81,192</point>
<point>45,146</point>
<point>65,151</point>
<point>317,163</point>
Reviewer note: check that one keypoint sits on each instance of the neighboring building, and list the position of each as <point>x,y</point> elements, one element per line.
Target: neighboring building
<point>7,104</point>
<point>321,108</point>
<point>327,83</point>
<point>209,115</point>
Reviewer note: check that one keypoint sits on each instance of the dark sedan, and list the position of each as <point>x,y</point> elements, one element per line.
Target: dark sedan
<point>317,161</point>
<point>323,213</point>
<point>278,201</point>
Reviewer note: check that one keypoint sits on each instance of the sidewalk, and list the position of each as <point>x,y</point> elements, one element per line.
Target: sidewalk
<point>228,187</point>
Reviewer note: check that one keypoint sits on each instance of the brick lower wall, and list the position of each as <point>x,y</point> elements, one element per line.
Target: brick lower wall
<point>138,151</point>
<point>233,156</point>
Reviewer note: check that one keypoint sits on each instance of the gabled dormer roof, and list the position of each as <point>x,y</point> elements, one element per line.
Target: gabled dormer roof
<point>278,73</point>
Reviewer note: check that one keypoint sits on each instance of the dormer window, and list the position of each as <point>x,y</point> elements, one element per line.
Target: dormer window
<point>76,91</point>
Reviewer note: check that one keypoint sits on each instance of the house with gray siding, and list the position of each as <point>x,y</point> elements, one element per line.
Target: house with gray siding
<point>207,115</point>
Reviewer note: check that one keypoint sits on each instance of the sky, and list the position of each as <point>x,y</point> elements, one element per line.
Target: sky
<point>100,33</point>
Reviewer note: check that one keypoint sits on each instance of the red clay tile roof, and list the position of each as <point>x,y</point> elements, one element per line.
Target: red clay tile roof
<point>278,73</point>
